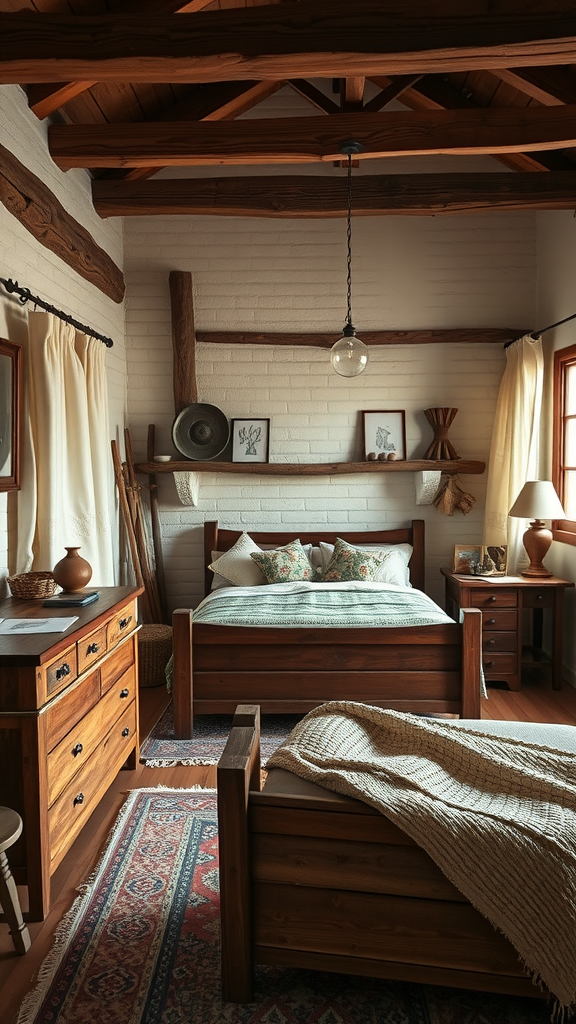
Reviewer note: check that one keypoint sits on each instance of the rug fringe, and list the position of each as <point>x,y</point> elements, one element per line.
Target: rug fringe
<point>67,926</point>
<point>190,761</point>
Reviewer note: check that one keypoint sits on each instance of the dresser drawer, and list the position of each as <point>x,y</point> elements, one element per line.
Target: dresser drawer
<point>62,671</point>
<point>543,598</point>
<point>494,598</point>
<point>91,648</point>
<point>64,712</point>
<point>82,740</point>
<point>494,620</point>
<point>116,664</point>
<point>74,806</point>
<point>122,624</point>
<point>499,666</point>
<point>499,642</point>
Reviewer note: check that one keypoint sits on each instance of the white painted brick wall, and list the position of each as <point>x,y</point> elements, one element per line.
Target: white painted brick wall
<point>24,259</point>
<point>290,275</point>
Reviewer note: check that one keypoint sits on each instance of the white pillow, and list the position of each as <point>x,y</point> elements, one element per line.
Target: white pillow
<point>236,566</point>
<point>394,569</point>
<point>220,580</point>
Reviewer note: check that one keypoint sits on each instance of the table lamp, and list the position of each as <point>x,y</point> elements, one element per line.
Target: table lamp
<point>537,501</point>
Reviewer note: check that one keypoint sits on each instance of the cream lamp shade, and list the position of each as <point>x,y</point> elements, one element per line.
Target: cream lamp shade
<point>537,501</point>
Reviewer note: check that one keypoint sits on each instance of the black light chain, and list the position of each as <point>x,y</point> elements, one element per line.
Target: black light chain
<point>349,242</point>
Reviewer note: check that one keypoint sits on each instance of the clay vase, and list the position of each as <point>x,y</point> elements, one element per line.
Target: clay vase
<point>72,572</point>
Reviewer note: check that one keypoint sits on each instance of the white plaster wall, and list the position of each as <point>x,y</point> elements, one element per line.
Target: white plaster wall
<point>280,275</point>
<point>557,300</point>
<point>24,259</point>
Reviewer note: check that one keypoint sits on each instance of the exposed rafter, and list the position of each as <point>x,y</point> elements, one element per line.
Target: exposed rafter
<point>283,140</point>
<point>319,38</point>
<point>304,196</point>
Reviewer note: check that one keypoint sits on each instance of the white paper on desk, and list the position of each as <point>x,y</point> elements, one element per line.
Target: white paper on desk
<point>16,627</point>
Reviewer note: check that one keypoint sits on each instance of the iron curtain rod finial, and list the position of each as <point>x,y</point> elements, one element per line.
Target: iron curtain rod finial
<point>25,296</point>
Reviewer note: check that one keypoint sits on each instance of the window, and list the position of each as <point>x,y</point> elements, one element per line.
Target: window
<point>564,441</point>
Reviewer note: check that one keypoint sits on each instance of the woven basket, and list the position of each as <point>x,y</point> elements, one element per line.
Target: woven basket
<point>33,586</point>
<point>154,650</point>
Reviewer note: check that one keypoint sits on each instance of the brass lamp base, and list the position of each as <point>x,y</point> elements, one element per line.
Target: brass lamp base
<point>537,541</point>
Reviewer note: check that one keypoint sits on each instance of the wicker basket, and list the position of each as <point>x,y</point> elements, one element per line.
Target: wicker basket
<point>33,586</point>
<point>154,650</point>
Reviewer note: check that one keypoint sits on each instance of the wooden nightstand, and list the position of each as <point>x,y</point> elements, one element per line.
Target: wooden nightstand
<point>502,604</point>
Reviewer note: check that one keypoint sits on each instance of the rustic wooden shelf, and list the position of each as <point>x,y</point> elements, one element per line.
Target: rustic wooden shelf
<point>466,466</point>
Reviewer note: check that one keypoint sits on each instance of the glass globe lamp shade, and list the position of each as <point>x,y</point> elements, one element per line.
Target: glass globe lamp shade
<point>349,355</point>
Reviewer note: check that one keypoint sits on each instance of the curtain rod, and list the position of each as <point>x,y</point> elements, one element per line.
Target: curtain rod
<point>536,334</point>
<point>26,296</point>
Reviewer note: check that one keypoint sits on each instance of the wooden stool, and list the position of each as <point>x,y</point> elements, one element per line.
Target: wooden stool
<point>10,831</point>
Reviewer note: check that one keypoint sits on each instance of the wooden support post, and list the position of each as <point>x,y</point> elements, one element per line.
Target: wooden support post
<point>183,340</point>
<point>182,673</point>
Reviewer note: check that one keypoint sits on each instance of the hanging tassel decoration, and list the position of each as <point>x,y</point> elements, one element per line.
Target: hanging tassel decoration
<point>451,498</point>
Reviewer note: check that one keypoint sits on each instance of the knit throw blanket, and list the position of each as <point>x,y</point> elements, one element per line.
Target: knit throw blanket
<point>497,815</point>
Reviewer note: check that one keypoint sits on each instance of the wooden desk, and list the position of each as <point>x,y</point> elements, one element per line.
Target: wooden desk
<point>502,604</point>
<point>68,723</point>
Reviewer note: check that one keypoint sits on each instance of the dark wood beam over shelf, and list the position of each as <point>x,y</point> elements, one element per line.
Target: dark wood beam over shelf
<point>317,140</point>
<point>464,335</point>
<point>307,196</point>
<point>319,38</point>
<point>465,466</point>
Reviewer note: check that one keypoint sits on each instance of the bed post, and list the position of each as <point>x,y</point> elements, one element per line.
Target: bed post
<point>210,545</point>
<point>418,561</point>
<point>182,679</point>
<point>238,772</point>
<point>471,662</point>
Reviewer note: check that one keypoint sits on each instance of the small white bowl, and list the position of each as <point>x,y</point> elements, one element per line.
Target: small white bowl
<point>162,458</point>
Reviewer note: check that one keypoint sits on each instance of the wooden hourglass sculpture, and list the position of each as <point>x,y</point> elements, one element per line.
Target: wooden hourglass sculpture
<point>441,447</point>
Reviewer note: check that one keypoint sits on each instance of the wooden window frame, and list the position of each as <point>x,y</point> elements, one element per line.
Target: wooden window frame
<point>563,530</point>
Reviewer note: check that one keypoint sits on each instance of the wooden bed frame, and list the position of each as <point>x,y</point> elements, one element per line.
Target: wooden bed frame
<point>312,879</point>
<point>424,669</point>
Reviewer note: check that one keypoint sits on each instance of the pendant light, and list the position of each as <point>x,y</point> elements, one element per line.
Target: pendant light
<point>349,355</point>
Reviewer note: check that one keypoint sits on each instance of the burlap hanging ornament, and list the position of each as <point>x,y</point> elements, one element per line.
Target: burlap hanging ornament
<point>451,498</point>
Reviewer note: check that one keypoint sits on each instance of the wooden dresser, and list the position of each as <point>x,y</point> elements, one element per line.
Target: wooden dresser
<point>68,723</point>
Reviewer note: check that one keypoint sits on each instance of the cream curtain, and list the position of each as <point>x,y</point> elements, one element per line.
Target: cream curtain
<point>65,498</point>
<point>515,441</point>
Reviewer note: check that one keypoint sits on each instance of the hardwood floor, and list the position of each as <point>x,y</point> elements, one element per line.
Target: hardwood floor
<point>536,702</point>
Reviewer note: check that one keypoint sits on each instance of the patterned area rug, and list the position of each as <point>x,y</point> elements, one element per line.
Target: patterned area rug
<point>141,945</point>
<point>162,750</point>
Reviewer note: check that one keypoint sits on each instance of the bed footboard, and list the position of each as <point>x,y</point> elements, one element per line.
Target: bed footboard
<point>316,880</point>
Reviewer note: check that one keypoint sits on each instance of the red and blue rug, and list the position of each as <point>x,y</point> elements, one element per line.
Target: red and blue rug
<point>141,945</point>
<point>162,750</point>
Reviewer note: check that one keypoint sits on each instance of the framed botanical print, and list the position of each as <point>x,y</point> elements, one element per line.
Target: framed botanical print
<point>250,440</point>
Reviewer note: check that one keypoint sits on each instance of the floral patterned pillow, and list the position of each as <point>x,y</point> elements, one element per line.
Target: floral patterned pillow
<point>350,563</point>
<point>284,565</point>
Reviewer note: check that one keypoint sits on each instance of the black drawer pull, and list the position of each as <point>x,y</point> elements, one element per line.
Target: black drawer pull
<point>539,597</point>
<point>124,622</point>
<point>79,799</point>
<point>92,649</point>
<point>492,641</point>
<point>124,693</point>
<point>492,597</point>
<point>63,671</point>
<point>126,732</point>
<point>488,664</point>
<point>491,622</point>
<point>77,749</point>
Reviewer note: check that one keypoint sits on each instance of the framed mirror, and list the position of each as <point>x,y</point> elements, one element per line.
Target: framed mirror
<point>10,365</point>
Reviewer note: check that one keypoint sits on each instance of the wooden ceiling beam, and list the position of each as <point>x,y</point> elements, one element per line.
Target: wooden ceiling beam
<point>314,96</point>
<point>304,196</point>
<point>313,139</point>
<point>465,336</point>
<point>319,38</point>
<point>393,91</point>
<point>550,86</point>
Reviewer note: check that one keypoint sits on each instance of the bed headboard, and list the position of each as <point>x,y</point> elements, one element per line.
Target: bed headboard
<point>216,539</point>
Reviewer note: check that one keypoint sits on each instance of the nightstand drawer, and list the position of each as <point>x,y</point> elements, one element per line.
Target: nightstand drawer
<point>538,598</point>
<point>494,598</point>
<point>499,666</point>
<point>499,642</point>
<point>493,621</point>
